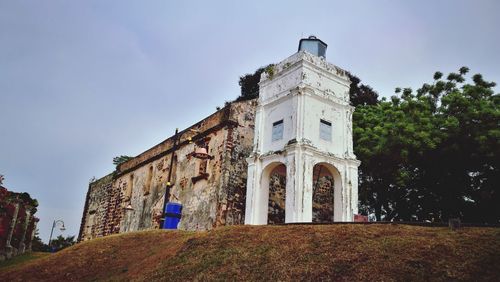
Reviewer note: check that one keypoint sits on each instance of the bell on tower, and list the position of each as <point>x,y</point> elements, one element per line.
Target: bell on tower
<point>313,45</point>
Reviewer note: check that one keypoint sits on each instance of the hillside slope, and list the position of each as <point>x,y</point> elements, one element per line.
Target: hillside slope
<point>290,252</point>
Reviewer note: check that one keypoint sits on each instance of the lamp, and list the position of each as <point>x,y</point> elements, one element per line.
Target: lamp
<point>201,153</point>
<point>54,224</point>
<point>313,45</point>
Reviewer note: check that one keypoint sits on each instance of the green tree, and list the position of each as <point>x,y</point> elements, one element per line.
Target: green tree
<point>37,245</point>
<point>60,242</point>
<point>361,94</point>
<point>249,84</point>
<point>433,153</point>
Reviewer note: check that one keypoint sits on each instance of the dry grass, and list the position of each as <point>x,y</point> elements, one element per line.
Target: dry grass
<point>298,252</point>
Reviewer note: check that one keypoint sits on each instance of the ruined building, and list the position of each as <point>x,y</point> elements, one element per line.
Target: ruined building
<point>17,222</point>
<point>284,157</point>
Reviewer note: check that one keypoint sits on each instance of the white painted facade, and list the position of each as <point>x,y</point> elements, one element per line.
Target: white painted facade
<point>302,90</point>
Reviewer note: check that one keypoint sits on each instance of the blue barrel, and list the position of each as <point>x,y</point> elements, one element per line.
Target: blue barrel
<point>173,213</point>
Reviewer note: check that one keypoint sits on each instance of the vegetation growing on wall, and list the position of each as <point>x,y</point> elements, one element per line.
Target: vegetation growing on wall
<point>121,159</point>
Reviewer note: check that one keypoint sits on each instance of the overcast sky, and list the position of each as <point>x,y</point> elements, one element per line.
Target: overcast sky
<point>84,81</point>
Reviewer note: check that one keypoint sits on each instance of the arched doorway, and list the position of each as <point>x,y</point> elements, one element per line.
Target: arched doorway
<point>276,180</point>
<point>323,193</point>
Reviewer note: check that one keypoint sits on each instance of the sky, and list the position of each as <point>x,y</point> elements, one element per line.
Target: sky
<point>84,81</point>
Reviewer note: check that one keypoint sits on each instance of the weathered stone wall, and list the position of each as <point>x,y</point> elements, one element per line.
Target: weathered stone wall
<point>96,208</point>
<point>211,191</point>
<point>277,193</point>
<point>239,145</point>
<point>323,195</point>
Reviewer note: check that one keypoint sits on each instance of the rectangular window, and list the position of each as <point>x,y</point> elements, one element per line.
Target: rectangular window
<point>147,186</point>
<point>277,130</point>
<point>325,130</point>
<point>130,187</point>
<point>203,163</point>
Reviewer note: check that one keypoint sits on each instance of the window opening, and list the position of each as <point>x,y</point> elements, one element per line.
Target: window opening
<point>277,130</point>
<point>130,186</point>
<point>147,186</point>
<point>325,130</point>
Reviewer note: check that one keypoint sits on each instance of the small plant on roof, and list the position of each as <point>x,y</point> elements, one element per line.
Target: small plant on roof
<point>269,70</point>
<point>121,159</point>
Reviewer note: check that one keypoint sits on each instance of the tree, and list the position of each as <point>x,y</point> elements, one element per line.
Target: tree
<point>433,153</point>
<point>249,84</point>
<point>60,242</point>
<point>361,94</point>
<point>37,245</point>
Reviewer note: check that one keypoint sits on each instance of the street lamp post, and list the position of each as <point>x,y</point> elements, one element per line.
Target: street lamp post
<point>53,226</point>
<point>169,184</point>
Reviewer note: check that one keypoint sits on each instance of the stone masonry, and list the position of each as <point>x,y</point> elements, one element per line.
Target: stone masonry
<point>211,191</point>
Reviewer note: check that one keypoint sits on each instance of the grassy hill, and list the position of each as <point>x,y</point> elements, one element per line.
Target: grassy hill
<point>290,252</point>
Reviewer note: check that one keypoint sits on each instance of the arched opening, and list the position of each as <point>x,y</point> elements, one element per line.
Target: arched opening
<point>323,193</point>
<point>277,192</point>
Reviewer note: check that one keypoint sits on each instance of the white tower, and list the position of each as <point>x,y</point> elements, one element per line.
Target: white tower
<point>303,143</point>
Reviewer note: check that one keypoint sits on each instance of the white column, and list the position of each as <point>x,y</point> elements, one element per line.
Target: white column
<point>261,192</point>
<point>299,186</point>
<point>250,196</point>
<point>307,183</point>
<point>258,129</point>
<point>354,189</point>
<point>290,193</point>
<point>338,202</point>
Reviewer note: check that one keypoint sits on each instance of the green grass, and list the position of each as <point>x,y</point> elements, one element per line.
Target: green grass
<point>21,259</point>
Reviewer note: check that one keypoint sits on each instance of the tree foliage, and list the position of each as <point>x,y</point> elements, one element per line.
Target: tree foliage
<point>61,242</point>
<point>432,154</point>
<point>37,245</point>
<point>249,84</point>
<point>361,94</point>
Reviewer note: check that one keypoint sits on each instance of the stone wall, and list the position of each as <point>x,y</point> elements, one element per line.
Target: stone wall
<point>277,192</point>
<point>238,146</point>
<point>97,207</point>
<point>211,191</point>
<point>323,198</point>
<point>17,223</point>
